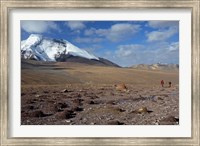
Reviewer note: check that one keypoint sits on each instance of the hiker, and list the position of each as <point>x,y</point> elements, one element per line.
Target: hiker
<point>162,83</point>
<point>170,84</point>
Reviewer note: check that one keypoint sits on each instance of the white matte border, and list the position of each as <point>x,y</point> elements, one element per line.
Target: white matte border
<point>181,130</point>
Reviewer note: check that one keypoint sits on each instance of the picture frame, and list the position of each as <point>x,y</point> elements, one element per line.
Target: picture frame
<point>6,6</point>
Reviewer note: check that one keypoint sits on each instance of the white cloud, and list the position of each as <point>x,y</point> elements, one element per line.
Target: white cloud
<point>35,26</point>
<point>165,30</point>
<point>162,24</point>
<point>169,53</point>
<point>161,35</point>
<point>121,31</point>
<point>128,55</point>
<point>116,32</point>
<point>174,46</point>
<point>75,25</point>
<point>88,40</point>
<point>90,32</point>
<point>128,50</point>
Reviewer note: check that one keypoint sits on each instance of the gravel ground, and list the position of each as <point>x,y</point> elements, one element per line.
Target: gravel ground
<point>99,104</point>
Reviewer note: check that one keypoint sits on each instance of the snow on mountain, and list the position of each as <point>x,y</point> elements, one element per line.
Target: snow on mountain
<point>46,49</point>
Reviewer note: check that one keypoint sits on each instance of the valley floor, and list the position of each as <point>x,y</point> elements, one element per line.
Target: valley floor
<point>57,94</point>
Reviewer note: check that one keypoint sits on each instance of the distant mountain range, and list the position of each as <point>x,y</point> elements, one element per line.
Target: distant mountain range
<point>40,48</point>
<point>37,47</point>
<point>157,66</point>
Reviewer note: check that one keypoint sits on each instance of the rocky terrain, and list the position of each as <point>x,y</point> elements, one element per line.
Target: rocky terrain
<point>79,94</point>
<point>99,104</point>
<point>157,66</point>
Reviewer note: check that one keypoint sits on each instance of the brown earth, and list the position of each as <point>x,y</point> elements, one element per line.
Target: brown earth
<point>79,94</point>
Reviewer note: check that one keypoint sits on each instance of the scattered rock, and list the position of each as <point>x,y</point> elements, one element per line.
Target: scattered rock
<point>78,109</point>
<point>102,88</point>
<point>140,98</point>
<point>121,87</point>
<point>34,93</point>
<point>152,97</point>
<point>64,91</point>
<point>142,110</point>
<point>169,120</point>
<point>67,114</point>
<point>115,122</point>
<point>165,95</point>
<point>79,95</point>
<point>45,91</point>
<point>22,94</point>
<point>111,102</point>
<point>63,105</point>
<point>120,110</point>
<point>97,107</point>
<point>70,114</point>
<point>94,97</point>
<point>60,107</point>
<point>84,120</point>
<point>31,107</point>
<point>101,92</point>
<point>92,102</point>
<point>77,101</point>
<point>60,115</point>
<point>160,98</point>
<point>38,114</point>
<point>33,101</point>
<point>67,121</point>
<point>112,94</point>
<point>37,95</point>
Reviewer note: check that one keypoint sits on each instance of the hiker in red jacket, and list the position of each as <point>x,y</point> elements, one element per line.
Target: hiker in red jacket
<point>162,83</point>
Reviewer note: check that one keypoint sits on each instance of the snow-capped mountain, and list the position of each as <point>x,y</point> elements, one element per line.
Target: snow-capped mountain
<point>41,48</point>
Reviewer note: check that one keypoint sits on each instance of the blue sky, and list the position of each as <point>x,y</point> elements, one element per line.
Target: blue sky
<point>123,42</point>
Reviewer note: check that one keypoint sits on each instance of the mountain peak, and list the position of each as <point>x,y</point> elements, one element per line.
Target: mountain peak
<point>41,48</point>
<point>36,35</point>
<point>34,38</point>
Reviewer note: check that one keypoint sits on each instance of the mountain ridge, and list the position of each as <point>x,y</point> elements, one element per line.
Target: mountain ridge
<point>156,66</point>
<point>48,49</point>
<point>40,48</point>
